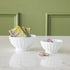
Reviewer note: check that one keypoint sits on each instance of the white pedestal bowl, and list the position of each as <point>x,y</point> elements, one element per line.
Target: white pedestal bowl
<point>22,43</point>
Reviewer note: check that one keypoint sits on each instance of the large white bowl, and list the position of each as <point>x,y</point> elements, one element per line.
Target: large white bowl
<point>51,47</point>
<point>22,43</point>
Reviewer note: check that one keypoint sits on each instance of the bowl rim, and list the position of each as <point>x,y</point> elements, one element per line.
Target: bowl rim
<point>57,40</point>
<point>32,35</point>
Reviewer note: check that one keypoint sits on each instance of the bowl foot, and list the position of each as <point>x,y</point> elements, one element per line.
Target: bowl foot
<point>51,52</point>
<point>21,50</point>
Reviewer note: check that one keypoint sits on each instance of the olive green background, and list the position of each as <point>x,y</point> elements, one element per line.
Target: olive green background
<point>58,24</point>
<point>32,14</point>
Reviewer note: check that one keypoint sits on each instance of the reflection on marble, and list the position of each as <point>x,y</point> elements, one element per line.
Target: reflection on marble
<point>52,61</point>
<point>31,61</point>
<point>24,60</point>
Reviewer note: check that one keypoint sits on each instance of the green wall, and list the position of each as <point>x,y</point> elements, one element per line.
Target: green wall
<point>33,11</point>
<point>59,25</point>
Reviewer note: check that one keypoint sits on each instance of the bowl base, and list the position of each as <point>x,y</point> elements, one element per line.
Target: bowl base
<point>51,52</point>
<point>20,50</point>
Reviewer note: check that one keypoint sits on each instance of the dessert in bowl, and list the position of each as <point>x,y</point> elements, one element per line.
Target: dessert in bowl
<point>51,46</point>
<point>22,43</point>
<point>21,38</point>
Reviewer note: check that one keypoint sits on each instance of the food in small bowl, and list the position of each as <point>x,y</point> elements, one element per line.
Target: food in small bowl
<point>22,43</point>
<point>51,46</point>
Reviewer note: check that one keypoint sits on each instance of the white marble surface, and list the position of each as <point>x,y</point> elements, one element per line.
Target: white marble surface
<point>12,60</point>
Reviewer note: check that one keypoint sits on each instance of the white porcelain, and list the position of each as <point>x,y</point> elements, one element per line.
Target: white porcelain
<point>22,43</point>
<point>51,47</point>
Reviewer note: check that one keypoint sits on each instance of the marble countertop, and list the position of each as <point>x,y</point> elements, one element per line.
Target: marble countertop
<point>29,60</point>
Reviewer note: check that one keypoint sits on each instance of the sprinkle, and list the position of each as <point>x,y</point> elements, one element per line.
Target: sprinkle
<point>43,54</point>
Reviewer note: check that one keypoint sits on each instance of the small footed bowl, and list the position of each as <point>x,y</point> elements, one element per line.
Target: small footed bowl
<point>51,47</point>
<point>22,43</point>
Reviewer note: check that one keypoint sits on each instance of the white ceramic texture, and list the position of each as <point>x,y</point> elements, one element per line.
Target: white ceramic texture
<point>22,43</point>
<point>51,47</point>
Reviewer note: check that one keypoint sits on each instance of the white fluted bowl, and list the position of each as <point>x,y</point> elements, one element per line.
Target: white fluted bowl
<point>22,43</point>
<point>51,47</point>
